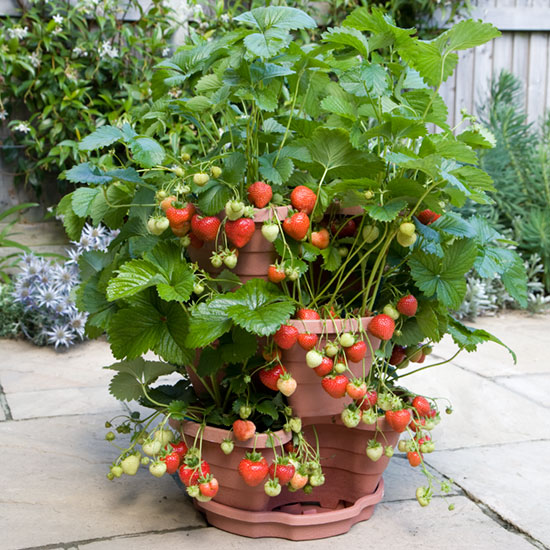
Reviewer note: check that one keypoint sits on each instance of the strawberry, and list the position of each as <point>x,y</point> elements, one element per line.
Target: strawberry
<point>240,231</point>
<point>381,326</point>
<point>335,386</point>
<point>190,473</point>
<point>347,229</point>
<point>356,389</point>
<point>259,194</point>
<point>374,450</point>
<point>369,400</point>
<point>180,447</point>
<point>270,231</point>
<point>166,203</point>
<point>195,242</point>
<point>172,462</point>
<point>298,481</point>
<point>427,216</point>
<point>422,405</point>
<point>244,429</point>
<point>407,305</point>
<point>253,468</point>
<point>398,354</point>
<point>275,273</point>
<point>269,376</point>
<point>178,216</point>
<point>398,420</point>
<point>286,384</point>
<point>418,424</point>
<point>307,314</point>
<point>296,226</point>
<point>282,470</point>
<point>414,458</point>
<point>205,228</point>
<point>351,416</point>
<point>303,199</point>
<point>325,367</point>
<point>307,340</point>
<point>180,230</point>
<point>271,354</point>
<point>209,487</point>
<point>320,239</point>
<point>286,336</point>
<point>356,352</point>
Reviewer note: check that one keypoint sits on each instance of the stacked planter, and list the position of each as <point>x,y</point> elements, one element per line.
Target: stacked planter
<point>353,483</point>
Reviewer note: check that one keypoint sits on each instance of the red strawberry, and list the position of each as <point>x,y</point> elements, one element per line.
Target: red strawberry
<point>399,420</point>
<point>180,230</point>
<point>417,424</point>
<point>345,230</point>
<point>381,326</point>
<point>297,225</point>
<point>356,389</point>
<point>398,354</point>
<point>320,239</point>
<point>209,487</point>
<point>178,216</point>
<point>422,405</point>
<point>369,400</point>
<point>180,447</point>
<point>407,305</point>
<point>269,377</point>
<point>259,194</point>
<point>427,216</point>
<point>240,231</point>
<point>195,241</point>
<point>253,468</point>
<point>307,341</point>
<point>206,229</point>
<point>286,336</point>
<point>166,203</point>
<point>335,386</point>
<point>325,367</point>
<point>356,352</point>
<point>172,462</point>
<point>275,273</point>
<point>244,429</point>
<point>307,314</point>
<point>414,458</point>
<point>190,474</point>
<point>282,470</point>
<point>303,199</point>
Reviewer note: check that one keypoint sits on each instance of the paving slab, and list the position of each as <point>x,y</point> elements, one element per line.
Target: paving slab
<point>532,386</point>
<point>528,335</point>
<point>67,401</point>
<point>54,490</point>
<point>26,367</point>
<point>396,525</point>
<point>512,480</point>
<point>485,412</point>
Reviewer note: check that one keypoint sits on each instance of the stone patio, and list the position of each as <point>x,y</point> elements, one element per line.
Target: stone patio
<point>495,447</point>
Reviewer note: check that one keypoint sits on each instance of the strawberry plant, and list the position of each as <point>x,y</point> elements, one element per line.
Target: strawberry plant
<point>313,241</point>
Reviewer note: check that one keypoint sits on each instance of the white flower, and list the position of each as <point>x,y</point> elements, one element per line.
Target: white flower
<point>23,127</point>
<point>224,18</point>
<point>3,114</point>
<point>57,30</point>
<point>165,52</point>
<point>48,297</point>
<point>106,50</point>
<point>35,59</point>
<point>18,32</point>
<point>58,19</point>
<point>78,322</point>
<point>60,335</point>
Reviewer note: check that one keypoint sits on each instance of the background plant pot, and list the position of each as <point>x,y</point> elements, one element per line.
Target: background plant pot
<point>310,399</point>
<point>233,491</point>
<point>295,521</point>
<point>254,258</point>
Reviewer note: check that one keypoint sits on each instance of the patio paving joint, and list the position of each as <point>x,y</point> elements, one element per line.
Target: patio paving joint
<point>4,404</point>
<point>76,544</point>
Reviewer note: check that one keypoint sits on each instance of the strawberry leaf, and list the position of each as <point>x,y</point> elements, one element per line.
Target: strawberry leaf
<point>208,321</point>
<point>102,137</point>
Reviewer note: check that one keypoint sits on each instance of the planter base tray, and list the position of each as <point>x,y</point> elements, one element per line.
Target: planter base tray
<point>292,521</point>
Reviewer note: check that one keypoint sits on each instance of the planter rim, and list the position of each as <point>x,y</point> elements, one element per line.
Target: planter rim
<point>217,435</point>
<point>329,326</point>
<point>303,520</point>
<point>336,420</point>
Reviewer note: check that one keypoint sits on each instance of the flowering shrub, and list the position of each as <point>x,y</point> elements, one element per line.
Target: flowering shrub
<point>45,291</point>
<point>64,69</point>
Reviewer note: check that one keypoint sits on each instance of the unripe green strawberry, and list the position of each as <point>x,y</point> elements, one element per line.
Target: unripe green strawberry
<point>351,416</point>
<point>368,194</point>
<point>407,228</point>
<point>423,496</point>
<point>346,339</point>
<point>388,451</point>
<point>130,465</point>
<point>117,471</point>
<point>216,260</point>
<point>151,448</point>
<point>295,424</point>
<point>245,411</point>
<point>385,401</point>
<point>178,170</point>
<point>405,240</point>
<point>158,468</point>
<point>185,241</point>
<point>313,358</point>
<point>370,233</point>
<point>198,288</point>
<point>403,446</point>
<point>230,260</point>
<point>390,311</point>
<point>331,349</point>
<point>339,368</point>
<point>200,179</point>
<point>164,436</point>
<point>316,480</point>
<point>216,171</point>
<point>343,251</point>
<point>234,210</point>
<point>374,450</point>
<point>227,446</point>
<point>186,157</point>
<point>272,488</point>
<point>193,491</point>
<point>145,460</point>
<point>270,231</point>
<point>369,416</point>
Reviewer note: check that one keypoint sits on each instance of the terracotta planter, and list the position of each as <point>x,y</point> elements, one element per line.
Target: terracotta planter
<point>233,490</point>
<point>302,521</point>
<point>309,399</point>
<point>254,258</point>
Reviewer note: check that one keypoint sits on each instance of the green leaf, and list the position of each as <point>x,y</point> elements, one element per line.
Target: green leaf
<point>267,407</point>
<point>411,333</point>
<point>133,277</point>
<point>388,212</point>
<point>147,152</point>
<point>102,137</point>
<point>278,173</point>
<point>72,223</point>
<point>339,106</point>
<point>331,259</point>
<point>234,167</point>
<point>87,173</point>
<point>467,34</point>
<point>428,322</point>
<point>242,347</point>
<point>210,362</point>
<point>514,279</point>
<point>453,224</point>
<point>260,307</point>
<point>208,321</point>
<point>128,175</point>
<point>444,277</point>
<point>213,197</point>
<point>82,200</point>
<point>347,37</point>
